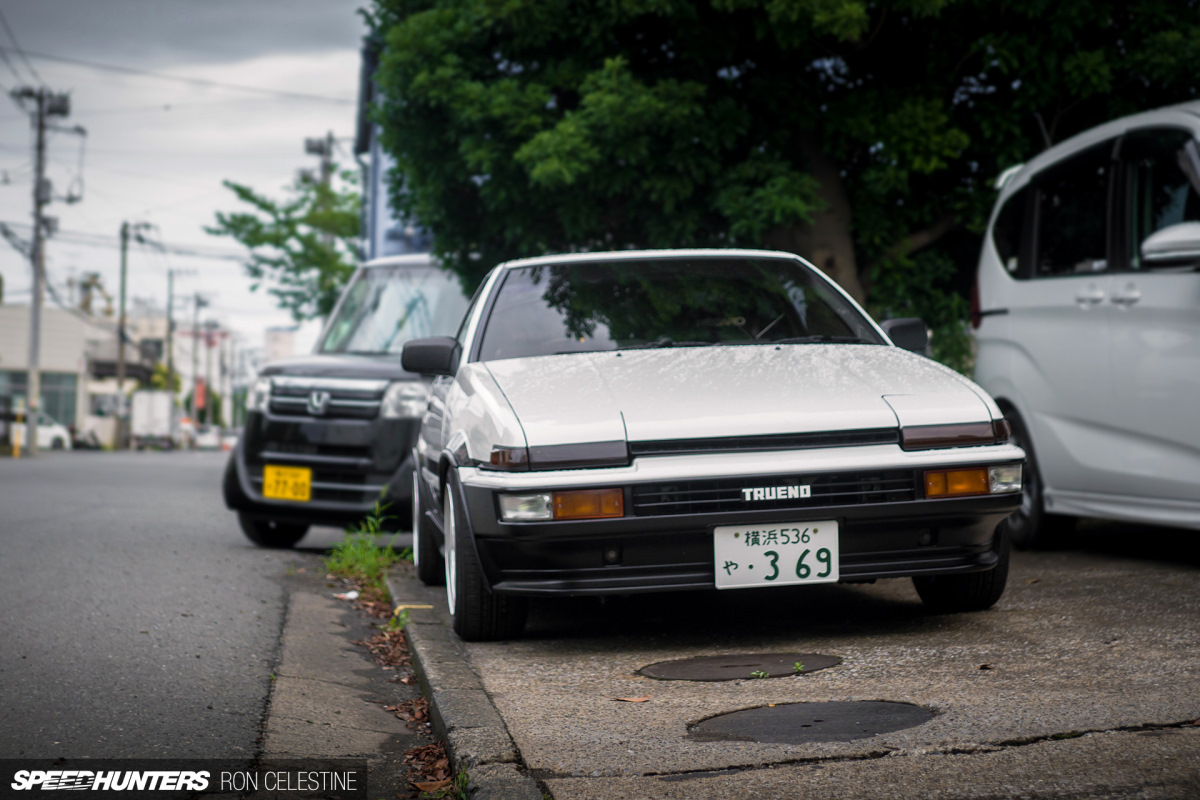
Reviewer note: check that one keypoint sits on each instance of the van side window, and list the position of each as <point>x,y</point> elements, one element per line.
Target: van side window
<point>1072,216</point>
<point>1006,233</point>
<point>1162,183</point>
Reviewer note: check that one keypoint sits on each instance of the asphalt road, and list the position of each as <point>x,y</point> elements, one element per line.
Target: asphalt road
<point>135,619</point>
<point>1082,682</point>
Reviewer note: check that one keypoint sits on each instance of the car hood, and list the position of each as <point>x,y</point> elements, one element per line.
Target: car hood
<point>330,365</point>
<point>690,393</point>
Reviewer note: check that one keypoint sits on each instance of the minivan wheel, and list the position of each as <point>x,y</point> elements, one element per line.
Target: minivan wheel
<point>269,533</point>
<point>479,614</point>
<point>973,591</point>
<point>431,567</point>
<point>1031,526</point>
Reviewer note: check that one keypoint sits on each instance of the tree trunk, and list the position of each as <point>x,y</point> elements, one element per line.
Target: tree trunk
<point>826,242</point>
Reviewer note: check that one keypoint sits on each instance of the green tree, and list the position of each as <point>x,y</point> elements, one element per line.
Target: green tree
<point>865,135</point>
<point>160,379</point>
<point>304,246</point>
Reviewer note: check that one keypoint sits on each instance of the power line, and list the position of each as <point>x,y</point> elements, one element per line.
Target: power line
<point>84,239</point>
<point>189,80</point>
<point>20,52</point>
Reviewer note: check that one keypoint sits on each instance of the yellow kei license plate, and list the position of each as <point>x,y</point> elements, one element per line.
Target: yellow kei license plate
<point>287,483</point>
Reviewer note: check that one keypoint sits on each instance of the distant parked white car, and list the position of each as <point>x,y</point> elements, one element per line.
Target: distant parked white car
<point>208,438</point>
<point>52,435</point>
<point>1088,315</point>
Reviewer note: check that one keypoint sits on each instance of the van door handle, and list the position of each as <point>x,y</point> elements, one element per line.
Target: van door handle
<point>1128,297</point>
<point>1090,297</point>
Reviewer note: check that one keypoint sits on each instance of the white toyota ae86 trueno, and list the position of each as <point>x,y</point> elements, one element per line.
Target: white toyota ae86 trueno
<point>615,423</point>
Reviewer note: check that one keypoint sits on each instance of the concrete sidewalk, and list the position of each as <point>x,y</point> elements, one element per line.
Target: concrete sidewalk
<point>1091,691</point>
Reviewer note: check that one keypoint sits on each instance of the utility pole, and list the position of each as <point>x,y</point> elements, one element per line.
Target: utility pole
<point>210,332</point>
<point>198,303</point>
<point>324,149</point>
<point>46,104</point>
<point>126,230</point>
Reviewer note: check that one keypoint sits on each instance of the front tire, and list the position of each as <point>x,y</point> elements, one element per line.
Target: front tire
<point>973,591</point>
<point>272,534</point>
<point>431,567</point>
<point>479,614</point>
<point>1031,526</point>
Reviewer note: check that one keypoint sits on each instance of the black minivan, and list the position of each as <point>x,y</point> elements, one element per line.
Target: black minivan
<point>330,434</point>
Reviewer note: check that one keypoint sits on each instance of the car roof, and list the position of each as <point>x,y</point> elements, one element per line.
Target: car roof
<point>406,260</point>
<point>1182,114</point>
<point>626,255</point>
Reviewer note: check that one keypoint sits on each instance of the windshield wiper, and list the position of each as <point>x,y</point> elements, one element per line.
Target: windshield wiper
<point>821,338</point>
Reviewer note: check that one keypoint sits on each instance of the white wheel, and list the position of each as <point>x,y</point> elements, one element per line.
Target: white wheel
<point>451,548</point>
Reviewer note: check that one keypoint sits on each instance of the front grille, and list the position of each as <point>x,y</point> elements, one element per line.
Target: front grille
<point>348,399</point>
<point>709,496</point>
<point>749,444</point>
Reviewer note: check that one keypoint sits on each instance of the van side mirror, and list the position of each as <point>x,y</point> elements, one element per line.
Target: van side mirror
<point>1173,246</point>
<point>437,355</point>
<point>909,333</point>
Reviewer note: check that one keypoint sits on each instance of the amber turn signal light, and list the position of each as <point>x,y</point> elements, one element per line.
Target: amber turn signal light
<point>589,504</point>
<point>956,482</point>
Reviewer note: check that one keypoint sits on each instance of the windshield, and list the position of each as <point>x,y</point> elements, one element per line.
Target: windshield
<point>680,302</point>
<point>384,307</point>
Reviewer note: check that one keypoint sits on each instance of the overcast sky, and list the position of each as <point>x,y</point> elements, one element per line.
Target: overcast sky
<point>157,150</point>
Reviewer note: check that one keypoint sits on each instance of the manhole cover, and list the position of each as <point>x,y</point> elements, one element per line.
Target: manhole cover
<point>799,723</point>
<point>738,667</point>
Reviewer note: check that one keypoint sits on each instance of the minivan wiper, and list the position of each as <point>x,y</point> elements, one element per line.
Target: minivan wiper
<point>821,338</point>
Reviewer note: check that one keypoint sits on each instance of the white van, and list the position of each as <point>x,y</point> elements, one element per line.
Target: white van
<point>1088,324</point>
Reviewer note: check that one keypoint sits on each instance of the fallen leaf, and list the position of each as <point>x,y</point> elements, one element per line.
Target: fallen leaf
<point>632,699</point>
<point>987,666</point>
<point>432,786</point>
<point>1032,581</point>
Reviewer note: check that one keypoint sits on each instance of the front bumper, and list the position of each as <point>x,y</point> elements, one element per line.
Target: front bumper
<point>354,464</point>
<point>887,528</point>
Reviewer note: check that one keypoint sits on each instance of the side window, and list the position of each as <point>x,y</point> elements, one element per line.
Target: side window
<point>1162,184</point>
<point>1072,224</point>
<point>1006,233</point>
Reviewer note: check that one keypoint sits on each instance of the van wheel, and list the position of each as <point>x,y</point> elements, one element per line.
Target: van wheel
<point>431,567</point>
<point>269,533</point>
<point>479,614</point>
<point>57,444</point>
<point>974,591</point>
<point>1031,526</point>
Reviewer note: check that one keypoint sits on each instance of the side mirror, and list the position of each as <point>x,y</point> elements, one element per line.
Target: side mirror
<point>437,355</point>
<point>1173,246</point>
<point>909,333</point>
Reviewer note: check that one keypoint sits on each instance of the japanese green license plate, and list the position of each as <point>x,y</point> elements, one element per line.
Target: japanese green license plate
<point>777,554</point>
<point>287,483</point>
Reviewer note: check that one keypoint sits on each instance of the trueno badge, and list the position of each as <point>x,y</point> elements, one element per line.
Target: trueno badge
<point>776,493</point>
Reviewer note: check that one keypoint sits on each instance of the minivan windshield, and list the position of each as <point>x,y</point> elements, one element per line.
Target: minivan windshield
<point>680,302</point>
<point>384,307</point>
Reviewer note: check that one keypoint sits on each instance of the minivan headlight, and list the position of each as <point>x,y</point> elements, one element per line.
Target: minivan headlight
<point>404,400</point>
<point>259,395</point>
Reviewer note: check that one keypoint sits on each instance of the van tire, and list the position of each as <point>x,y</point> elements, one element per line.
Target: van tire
<point>272,534</point>
<point>1031,527</point>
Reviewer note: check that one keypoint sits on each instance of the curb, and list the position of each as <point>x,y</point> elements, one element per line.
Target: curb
<point>460,709</point>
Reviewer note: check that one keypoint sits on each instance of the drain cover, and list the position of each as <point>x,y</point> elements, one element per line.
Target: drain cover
<point>734,668</point>
<point>800,723</point>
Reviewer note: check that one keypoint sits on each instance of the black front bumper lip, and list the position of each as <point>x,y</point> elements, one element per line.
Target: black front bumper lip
<point>674,553</point>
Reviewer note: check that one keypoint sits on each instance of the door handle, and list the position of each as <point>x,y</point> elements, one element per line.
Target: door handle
<point>1090,297</point>
<point>1127,297</point>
